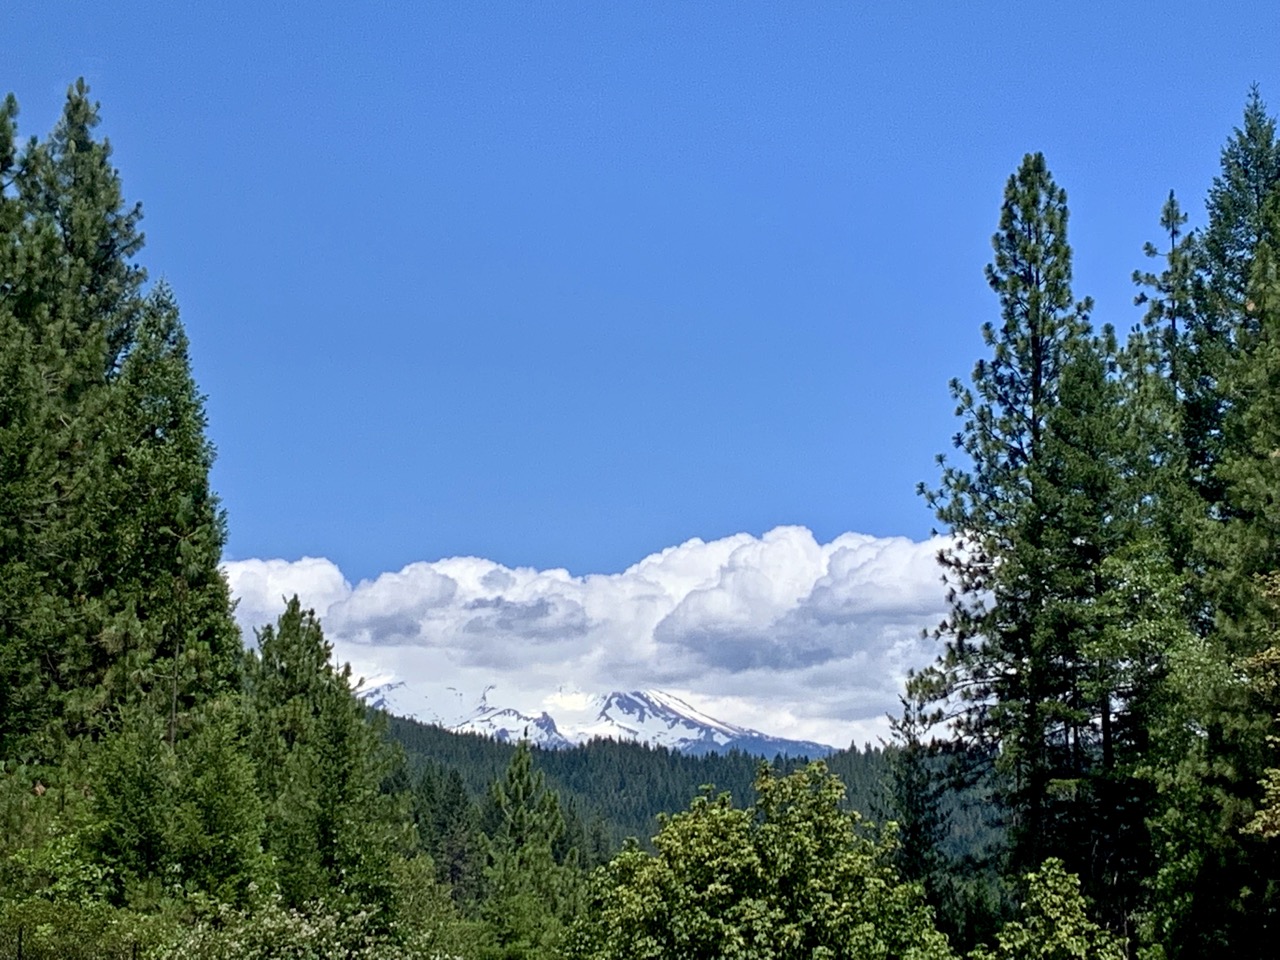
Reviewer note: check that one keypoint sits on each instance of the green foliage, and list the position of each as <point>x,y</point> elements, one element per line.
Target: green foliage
<point>134,793</point>
<point>1112,527</point>
<point>1214,882</point>
<point>276,932</point>
<point>1263,669</point>
<point>794,876</point>
<point>50,930</point>
<point>216,834</point>
<point>1250,172</point>
<point>1035,517</point>
<point>109,584</point>
<point>1054,924</point>
<point>937,797</point>
<point>181,818</point>
<point>615,786</point>
<point>330,830</point>
<point>529,896</point>
<point>449,832</point>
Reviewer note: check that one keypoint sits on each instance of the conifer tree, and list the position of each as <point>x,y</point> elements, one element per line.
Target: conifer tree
<point>1250,472</point>
<point>1237,216</point>
<point>528,896</point>
<point>1036,517</point>
<point>1220,326</point>
<point>165,550</point>
<point>330,830</point>
<point>456,843</point>
<point>1228,893</point>
<point>105,459</point>
<point>22,452</point>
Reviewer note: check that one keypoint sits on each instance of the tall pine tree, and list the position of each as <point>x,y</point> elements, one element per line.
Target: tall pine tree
<point>1037,516</point>
<point>109,582</point>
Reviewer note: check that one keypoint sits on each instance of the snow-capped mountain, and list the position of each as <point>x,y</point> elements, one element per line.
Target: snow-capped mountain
<point>646,716</point>
<point>661,719</point>
<point>512,726</point>
<point>380,695</point>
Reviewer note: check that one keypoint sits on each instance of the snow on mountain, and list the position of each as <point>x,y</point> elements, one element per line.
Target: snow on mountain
<point>512,726</point>
<point>661,719</point>
<point>380,693</point>
<point>444,706</point>
<point>646,716</point>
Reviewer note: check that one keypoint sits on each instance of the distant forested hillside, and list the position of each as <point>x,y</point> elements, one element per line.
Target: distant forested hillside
<point>624,785</point>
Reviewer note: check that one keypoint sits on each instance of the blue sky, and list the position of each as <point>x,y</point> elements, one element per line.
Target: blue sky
<point>562,284</point>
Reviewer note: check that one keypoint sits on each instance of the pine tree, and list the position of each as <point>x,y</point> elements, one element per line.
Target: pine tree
<point>1250,472</point>
<point>216,833</point>
<point>995,663</point>
<point>528,895</point>
<point>448,827</point>
<point>71,292</point>
<point>916,789</point>
<point>1236,207</point>
<point>1221,326</point>
<point>164,552</point>
<point>1166,390</point>
<point>330,829</point>
<point>134,794</point>
<point>104,460</point>
<point>1036,519</point>
<point>23,704</point>
<point>1228,894</point>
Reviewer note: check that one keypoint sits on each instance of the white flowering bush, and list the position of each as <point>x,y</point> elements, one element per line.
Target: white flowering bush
<point>273,932</point>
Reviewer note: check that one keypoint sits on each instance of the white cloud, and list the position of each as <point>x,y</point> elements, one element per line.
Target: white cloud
<point>780,632</point>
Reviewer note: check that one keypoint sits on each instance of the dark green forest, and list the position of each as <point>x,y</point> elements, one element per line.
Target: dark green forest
<point>1090,769</point>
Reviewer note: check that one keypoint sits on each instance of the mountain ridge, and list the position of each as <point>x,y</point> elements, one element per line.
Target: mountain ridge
<point>648,716</point>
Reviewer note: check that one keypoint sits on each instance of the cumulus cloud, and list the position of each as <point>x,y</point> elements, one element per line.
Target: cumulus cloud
<point>780,632</point>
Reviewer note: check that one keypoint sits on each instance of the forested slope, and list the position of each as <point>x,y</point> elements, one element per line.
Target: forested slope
<point>622,784</point>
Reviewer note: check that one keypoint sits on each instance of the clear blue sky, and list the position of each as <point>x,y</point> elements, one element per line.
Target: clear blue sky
<point>562,284</point>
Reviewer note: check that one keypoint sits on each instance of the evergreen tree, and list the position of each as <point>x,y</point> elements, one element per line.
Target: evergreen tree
<point>23,449</point>
<point>164,551</point>
<point>1214,884</point>
<point>134,794</point>
<point>1217,880</point>
<point>217,827</point>
<point>71,300</point>
<point>1264,675</point>
<point>104,460</point>
<point>1221,324</point>
<point>1011,643</point>
<point>330,830</point>
<point>1250,471</point>
<point>934,791</point>
<point>1074,539</point>
<point>1237,218</point>
<point>182,817</point>
<point>916,792</point>
<point>458,848</point>
<point>528,895</point>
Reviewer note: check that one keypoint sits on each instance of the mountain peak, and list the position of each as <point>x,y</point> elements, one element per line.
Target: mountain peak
<point>649,716</point>
<point>511,726</point>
